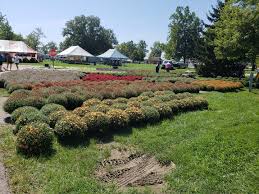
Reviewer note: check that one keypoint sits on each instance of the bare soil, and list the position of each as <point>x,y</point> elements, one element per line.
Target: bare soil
<point>132,169</point>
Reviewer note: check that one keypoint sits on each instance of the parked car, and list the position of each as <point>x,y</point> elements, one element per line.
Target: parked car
<point>180,65</point>
<point>165,62</point>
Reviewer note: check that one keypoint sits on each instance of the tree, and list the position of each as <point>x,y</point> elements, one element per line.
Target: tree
<point>184,34</point>
<point>47,47</point>
<point>237,31</point>
<point>142,49</point>
<point>211,65</point>
<point>34,39</point>
<point>6,32</point>
<point>87,32</point>
<point>135,52</point>
<point>157,49</point>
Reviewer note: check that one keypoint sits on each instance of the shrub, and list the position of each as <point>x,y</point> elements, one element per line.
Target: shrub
<point>73,100</point>
<point>92,102</point>
<point>108,102</point>
<point>20,99</point>
<point>218,85</point>
<point>30,117</point>
<point>82,111</point>
<point>200,103</point>
<point>16,86</point>
<point>148,94</point>
<point>54,117</point>
<point>58,99</point>
<point>35,101</point>
<point>22,92</point>
<point>136,115</point>
<point>164,110</point>
<point>134,104</point>
<point>35,138</point>
<point>163,98</point>
<point>118,119</point>
<point>101,108</point>
<point>96,121</point>
<point>120,100</point>
<point>49,108</point>
<point>120,106</point>
<point>143,98</point>
<point>23,110</point>
<point>146,103</point>
<point>151,114</point>
<point>70,126</point>
<point>182,96</point>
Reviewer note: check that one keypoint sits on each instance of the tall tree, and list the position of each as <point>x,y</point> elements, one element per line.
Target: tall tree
<point>6,32</point>
<point>237,31</point>
<point>87,32</point>
<point>157,49</point>
<point>184,34</point>
<point>47,47</point>
<point>135,52</point>
<point>206,52</point>
<point>34,39</point>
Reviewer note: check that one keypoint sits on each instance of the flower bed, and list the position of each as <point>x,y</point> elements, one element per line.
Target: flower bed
<point>108,77</point>
<point>40,75</point>
<point>218,85</point>
<point>96,116</point>
<point>72,94</point>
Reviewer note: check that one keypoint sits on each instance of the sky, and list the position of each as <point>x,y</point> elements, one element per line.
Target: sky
<point>129,19</point>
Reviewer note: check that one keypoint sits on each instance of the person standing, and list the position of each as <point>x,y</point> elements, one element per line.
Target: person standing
<point>16,61</point>
<point>158,67</point>
<point>1,62</point>
<point>9,61</point>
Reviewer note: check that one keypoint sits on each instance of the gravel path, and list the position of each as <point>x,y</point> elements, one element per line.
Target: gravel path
<point>4,188</point>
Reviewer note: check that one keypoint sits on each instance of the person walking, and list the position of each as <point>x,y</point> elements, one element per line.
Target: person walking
<point>16,61</point>
<point>158,67</point>
<point>1,62</point>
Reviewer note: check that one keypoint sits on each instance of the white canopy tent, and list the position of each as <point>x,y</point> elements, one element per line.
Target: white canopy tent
<point>19,47</point>
<point>77,54</point>
<point>75,51</point>
<point>113,54</point>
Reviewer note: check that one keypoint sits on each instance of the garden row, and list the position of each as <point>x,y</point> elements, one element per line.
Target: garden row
<point>218,85</point>
<point>36,128</point>
<point>38,75</point>
<point>73,93</point>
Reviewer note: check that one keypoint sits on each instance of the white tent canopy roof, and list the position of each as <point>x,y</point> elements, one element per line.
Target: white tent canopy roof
<point>113,54</point>
<point>75,51</point>
<point>10,46</point>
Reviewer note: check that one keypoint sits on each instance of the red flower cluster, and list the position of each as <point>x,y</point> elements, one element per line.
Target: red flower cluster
<point>107,77</point>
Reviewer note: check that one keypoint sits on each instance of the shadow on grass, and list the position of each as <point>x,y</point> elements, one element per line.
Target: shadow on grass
<point>74,142</point>
<point>41,156</point>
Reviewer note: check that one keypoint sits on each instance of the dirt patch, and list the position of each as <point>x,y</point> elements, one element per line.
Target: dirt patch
<point>132,169</point>
<point>4,189</point>
<point>3,114</point>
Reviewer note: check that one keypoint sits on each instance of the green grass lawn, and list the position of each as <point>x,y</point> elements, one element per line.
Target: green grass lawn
<point>92,68</point>
<point>215,151</point>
